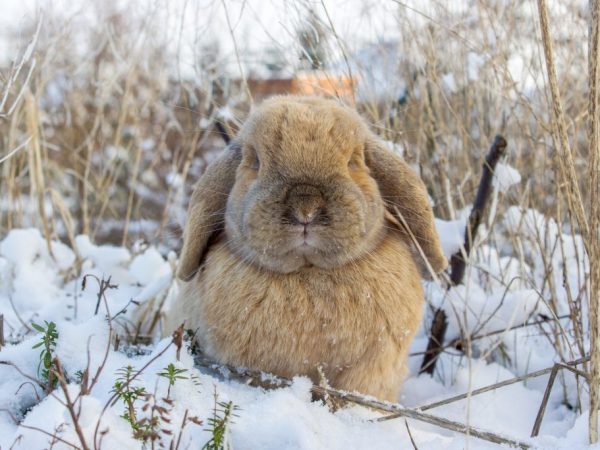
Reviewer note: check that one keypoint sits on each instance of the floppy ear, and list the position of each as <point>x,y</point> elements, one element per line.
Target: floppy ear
<point>206,212</point>
<point>405,195</point>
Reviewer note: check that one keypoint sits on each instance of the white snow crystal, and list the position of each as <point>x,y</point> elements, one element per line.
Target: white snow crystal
<point>106,258</point>
<point>149,266</point>
<point>505,176</point>
<point>452,235</point>
<point>449,83</point>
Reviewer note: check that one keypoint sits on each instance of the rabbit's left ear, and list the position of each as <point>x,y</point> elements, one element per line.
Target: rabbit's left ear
<point>206,211</point>
<point>405,195</point>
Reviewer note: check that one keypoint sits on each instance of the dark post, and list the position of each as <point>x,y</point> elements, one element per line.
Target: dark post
<point>458,262</point>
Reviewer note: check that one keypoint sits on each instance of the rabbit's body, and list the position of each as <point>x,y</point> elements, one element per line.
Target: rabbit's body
<point>296,253</point>
<point>355,321</point>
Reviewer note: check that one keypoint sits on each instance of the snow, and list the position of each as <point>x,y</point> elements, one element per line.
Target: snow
<point>149,266</point>
<point>44,286</point>
<point>505,176</point>
<point>449,83</point>
<point>453,232</point>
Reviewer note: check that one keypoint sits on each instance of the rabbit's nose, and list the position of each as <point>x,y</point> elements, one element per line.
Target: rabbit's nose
<point>306,213</point>
<point>305,216</point>
<point>305,205</point>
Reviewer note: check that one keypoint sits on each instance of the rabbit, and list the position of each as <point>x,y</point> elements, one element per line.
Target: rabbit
<point>295,259</point>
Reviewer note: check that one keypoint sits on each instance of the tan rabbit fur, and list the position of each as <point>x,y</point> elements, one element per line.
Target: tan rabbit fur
<point>293,258</point>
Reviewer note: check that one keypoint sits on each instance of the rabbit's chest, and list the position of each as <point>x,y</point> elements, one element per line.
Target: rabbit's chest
<point>248,316</point>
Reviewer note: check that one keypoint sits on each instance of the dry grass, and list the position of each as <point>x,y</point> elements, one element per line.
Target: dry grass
<point>593,248</point>
<point>111,130</point>
<point>104,145</point>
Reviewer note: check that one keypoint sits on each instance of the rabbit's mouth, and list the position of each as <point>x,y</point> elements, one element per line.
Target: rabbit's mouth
<point>301,248</point>
<point>305,237</point>
<point>303,242</point>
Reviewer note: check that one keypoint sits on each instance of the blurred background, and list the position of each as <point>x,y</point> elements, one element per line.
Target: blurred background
<point>108,110</point>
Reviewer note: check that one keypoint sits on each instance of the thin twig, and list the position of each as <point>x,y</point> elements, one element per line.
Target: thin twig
<point>483,390</point>
<point>52,435</point>
<point>564,156</point>
<point>412,440</point>
<point>23,374</point>
<point>339,41</point>
<point>237,53</point>
<point>460,342</point>
<point>593,246</point>
<point>103,286</point>
<point>269,382</point>
<point>27,54</point>
<point>70,405</point>
<point>542,409</point>
<point>537,373</point>
<point>1,331</point>
<point>17,315</point>
<point>15,150</point>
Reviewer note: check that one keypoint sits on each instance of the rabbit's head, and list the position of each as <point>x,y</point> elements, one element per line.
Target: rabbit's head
<point>303,193</point>
<point>304,183</point>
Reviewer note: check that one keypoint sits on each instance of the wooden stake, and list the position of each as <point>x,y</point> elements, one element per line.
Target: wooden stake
<point>458,261</point>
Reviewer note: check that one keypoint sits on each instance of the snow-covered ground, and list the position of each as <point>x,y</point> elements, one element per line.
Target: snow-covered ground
<point>505,286</point>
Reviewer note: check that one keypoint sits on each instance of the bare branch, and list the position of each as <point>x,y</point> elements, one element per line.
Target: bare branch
<point>261,379</point>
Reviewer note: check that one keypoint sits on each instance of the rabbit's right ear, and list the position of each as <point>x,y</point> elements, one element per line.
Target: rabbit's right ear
<point>406,199</point>
<point>206,212</point>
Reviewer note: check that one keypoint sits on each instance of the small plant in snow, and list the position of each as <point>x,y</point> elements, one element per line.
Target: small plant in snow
<point>153,427</point>
<point>48,345</point>
<point>172,374</point>
<point>128,394</point>
<point>79,376</point>
<point>218,424</point>
<point>156,426</point>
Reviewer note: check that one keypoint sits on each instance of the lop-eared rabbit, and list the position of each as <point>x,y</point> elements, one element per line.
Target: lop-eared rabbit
<point>296,254</point>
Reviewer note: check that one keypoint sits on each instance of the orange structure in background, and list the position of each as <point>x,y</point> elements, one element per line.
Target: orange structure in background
<point>305,83</point>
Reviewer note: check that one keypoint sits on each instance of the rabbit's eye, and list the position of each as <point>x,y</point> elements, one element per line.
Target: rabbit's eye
<point>352,163</point>
<point>251,158</point>
<point>255,165</point>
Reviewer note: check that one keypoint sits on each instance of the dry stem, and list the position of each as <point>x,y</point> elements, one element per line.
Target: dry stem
<point>270,382</point>
<point>593,247</point>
